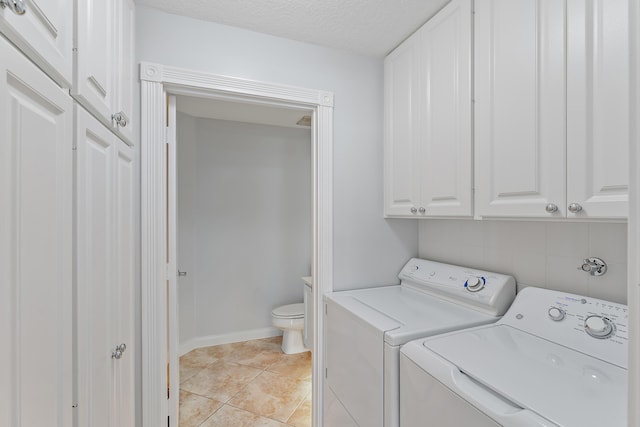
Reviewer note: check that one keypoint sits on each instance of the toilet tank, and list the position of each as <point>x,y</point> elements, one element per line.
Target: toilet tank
<point>308,313</point>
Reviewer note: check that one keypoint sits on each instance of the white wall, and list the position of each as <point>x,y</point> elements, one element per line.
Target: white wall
<point>244,230</point>
<point>368,249</point>
<point>536,253</point>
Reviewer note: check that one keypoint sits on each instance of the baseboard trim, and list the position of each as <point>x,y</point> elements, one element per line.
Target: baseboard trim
<point>207,341</point>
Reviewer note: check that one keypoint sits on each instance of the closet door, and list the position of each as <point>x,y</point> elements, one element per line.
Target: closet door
<point>45,34</point>
<point>520,107</point>
<point>96,281</point>
<point>126,68</point>
<point>36,132</point>
<point>105,276</point>
<point>598,108</point>
<point>124,290</point>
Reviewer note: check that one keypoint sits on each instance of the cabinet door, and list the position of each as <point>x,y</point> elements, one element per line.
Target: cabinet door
<point>124,285</point>
<point>598,107</point>
<point>95,75</point>
<point>126,67</point>
<point>520,107</point>
<point>96,296</point>
<point>45,34</point>
<point>36,134</point>
<point>401,135</point>
<point>445,161</point>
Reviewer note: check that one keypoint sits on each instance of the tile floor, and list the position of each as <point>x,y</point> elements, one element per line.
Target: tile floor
<point>246,384</point>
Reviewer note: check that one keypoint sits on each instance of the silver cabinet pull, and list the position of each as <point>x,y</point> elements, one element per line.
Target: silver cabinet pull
<point>17,6</point>
<point>117,353</point>
<point>574,208</point>
<point>414,210</point>
<point>120,118</point>
<point>422,210</point>
<point>551,208</point>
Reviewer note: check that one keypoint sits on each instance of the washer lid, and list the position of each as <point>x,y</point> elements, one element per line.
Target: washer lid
<point>290,311</point>
<point>564,386</point>
<point>404,314</point>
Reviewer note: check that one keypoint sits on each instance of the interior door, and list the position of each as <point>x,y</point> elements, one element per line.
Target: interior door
<point>36,134</point>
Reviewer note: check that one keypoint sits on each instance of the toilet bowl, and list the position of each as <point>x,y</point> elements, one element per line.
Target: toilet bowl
<point>290,319</point>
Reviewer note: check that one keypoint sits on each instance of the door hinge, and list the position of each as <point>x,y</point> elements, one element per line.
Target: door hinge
<point>326,372</point>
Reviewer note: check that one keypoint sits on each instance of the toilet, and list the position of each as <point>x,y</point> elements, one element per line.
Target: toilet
<point>290,319</point>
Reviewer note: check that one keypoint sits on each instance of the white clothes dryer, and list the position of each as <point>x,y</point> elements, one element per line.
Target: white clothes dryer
<point>555,359</point>
<point>365,328</point>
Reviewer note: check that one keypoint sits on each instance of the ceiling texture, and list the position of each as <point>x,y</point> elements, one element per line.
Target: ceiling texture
<point>366,27</point>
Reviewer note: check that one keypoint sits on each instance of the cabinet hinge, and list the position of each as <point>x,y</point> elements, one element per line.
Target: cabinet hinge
<point>326,372</point>
<point>166,136</point>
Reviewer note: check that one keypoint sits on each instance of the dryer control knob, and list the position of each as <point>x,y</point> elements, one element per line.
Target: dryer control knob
<point>474,284</point>
<point>556,314</point>
<point>599,327</point>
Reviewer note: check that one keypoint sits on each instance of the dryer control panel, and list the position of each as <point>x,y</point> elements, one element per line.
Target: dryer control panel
<point>592,326</point>
<point>489,292</point>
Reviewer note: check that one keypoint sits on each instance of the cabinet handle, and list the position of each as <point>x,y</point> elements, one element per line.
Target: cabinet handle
<point>574,208</point>
<point>17,6</point>
<point>117,353</point>
<point>551,208</point>
<point>422,210</point>
<point>414,210</point>
<point>120,119</point>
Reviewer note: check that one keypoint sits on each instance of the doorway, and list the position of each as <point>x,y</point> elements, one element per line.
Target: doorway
<point>159,269</point>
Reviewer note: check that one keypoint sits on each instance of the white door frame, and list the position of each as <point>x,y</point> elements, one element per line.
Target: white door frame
<point>157,81</point>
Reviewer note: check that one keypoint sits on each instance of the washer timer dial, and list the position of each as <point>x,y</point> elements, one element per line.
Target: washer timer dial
<point>599,327</point>
<point>474,284</point>
<point>556,314</point>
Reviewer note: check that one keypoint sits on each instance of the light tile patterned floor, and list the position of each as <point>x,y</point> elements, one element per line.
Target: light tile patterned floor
<point>247,384</point>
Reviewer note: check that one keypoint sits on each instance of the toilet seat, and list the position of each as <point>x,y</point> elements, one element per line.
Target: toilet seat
<point>290,311</point>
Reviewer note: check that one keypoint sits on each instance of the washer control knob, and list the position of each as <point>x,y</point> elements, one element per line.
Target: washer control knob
<point>556,314</point>
<point>599,327</point>
<point>474,284</point>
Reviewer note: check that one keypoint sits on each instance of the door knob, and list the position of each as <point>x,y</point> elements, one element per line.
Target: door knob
<point>17,6</point>
<point>117,353</point>
<point>120,119</point>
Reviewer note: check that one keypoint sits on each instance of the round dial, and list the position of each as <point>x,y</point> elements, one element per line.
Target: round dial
<point>556,314</point>
<point>599,327</point>
<point>474,284</point>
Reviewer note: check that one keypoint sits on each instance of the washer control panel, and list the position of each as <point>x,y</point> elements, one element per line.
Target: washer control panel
<point>483,290</point>
<point>595,327</point>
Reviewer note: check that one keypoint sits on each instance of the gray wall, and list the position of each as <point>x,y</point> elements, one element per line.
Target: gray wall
<point>539,254</point>
<point>244,223</point>
<point>369,250</point>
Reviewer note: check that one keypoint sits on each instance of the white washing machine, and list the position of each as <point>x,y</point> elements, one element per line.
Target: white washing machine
<point>365,328</point>
<point>555,359</point>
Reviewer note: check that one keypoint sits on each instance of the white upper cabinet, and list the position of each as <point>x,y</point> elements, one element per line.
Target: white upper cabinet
<point>598,108</point>
<point>401,133</point>
<point>428,151</point>
<point>103,80</point>
<point>36,301</point>
<point>551,139</point>
<point>45,34</point>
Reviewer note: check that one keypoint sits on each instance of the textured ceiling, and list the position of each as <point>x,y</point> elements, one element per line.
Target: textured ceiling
<point>368,27</point>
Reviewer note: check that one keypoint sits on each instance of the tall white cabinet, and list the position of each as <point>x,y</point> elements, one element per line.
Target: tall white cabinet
<point>105,269</point>
<point>68,215</point>
<point>551,104</point>
<point>36,307</point>
<point>428,152</point>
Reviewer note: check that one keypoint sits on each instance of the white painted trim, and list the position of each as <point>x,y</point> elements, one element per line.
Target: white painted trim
<point>157,80</point>
<point>208,341</point>
<point>633,230</point>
